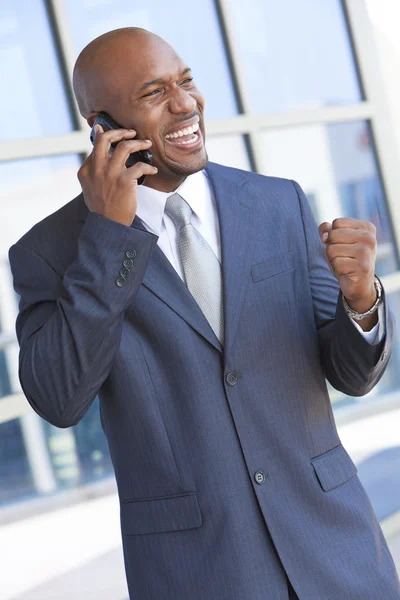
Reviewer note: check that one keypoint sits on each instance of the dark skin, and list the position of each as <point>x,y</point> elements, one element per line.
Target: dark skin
<point>123,63</point>
<point>113,75</point>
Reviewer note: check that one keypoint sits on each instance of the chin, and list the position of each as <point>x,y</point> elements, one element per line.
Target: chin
<point>193,166</point>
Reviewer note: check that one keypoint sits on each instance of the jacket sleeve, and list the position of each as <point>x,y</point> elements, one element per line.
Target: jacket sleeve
<point>69,324</point>
<point>351,364</point>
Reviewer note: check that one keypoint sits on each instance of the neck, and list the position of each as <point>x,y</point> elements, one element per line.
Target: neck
<point>163,184</point>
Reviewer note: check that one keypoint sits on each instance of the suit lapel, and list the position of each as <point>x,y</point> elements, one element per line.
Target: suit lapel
<point>238,218</point>
<point>238,221</point>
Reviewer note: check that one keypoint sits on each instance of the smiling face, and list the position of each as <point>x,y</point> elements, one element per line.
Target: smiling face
<point>140,81</point>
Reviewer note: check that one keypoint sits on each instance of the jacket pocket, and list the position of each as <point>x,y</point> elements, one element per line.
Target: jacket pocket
<point>333,468</point>
<point>156,515</point>
<point>272,266</point>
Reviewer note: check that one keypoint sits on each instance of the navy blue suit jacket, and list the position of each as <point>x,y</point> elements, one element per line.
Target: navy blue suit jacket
<point>229,466</point>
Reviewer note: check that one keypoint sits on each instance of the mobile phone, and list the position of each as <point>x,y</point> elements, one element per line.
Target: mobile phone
<point>108,123</point>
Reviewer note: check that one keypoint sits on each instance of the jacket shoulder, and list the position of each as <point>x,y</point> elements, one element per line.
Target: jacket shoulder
<point>59,225</point>
<point>256,179</point>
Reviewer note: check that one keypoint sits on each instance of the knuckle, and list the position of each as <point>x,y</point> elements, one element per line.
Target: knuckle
<point>335,262</point>
<point>81,172</point>
<point>330,252</point>
<point>372,228</point>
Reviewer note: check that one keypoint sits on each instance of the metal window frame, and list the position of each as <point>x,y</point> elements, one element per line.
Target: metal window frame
<point>374,109</point>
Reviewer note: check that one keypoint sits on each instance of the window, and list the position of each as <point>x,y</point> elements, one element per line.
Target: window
<point>295,54</point>
<point>181,24</point>
<point>34,102</point>
<point>335,165</point>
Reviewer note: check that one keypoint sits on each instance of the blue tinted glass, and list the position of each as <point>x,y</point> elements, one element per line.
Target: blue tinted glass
<point>295,54</point>
<point>192,30</point>
<point>336,167</point>
<point>15,475</point>
<point>390,381</point>
<point>32,101</point>
<point>30,190</point>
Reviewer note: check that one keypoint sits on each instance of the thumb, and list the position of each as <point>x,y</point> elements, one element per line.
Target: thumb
<point>324,230</point>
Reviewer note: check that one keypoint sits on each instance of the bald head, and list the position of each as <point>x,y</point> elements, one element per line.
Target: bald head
<point>140,81</point>
<point>98,71</point>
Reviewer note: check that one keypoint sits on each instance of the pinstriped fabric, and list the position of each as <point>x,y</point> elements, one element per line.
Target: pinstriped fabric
<point>202,269</point>
<point>195,522</point>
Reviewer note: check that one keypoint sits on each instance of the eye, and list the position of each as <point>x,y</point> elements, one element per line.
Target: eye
<point>188,80</point>
<point>153,93</point>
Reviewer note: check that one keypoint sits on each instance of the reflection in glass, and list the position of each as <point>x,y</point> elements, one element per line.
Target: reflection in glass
<point>295,54</point>
<point>34,102</point>
<point>180,24</point>
<point>336,167</point>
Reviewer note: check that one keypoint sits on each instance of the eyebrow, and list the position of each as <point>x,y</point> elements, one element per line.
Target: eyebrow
<point>160,80</point>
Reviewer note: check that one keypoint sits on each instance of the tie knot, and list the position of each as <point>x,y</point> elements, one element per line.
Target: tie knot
<point>179,210</point>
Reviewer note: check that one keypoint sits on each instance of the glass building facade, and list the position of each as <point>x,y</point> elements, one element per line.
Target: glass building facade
<point>274,104</point>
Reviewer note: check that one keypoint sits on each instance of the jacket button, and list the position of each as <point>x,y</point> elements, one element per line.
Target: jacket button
<point>259,477</point>
<point>130,253</point>
<point>124,273</point>
<point>231,379</point>
<point>128,263</point>
<point>120,281</point>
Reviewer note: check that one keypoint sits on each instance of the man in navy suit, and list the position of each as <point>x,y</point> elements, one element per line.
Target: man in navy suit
<point>232,479</point>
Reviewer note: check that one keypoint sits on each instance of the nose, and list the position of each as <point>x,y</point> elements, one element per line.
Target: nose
<point>181,101</point>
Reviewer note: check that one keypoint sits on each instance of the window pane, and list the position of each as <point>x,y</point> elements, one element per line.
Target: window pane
<point>15,476</point>
<point>335,165</point>
<point>179,23</point>
<point>32,189</point>
<point>37,458</point>
<point>390,381</point>
<point>295,54</point>
<point>33,103</point>
<point>229,150</point>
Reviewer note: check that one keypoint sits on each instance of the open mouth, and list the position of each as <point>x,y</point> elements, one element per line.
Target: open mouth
<point>189,136</point>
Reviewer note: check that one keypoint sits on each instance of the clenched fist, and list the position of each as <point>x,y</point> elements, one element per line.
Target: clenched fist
<point>351,252</point>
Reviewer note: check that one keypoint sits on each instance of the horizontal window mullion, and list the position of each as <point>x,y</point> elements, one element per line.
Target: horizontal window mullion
<point>78,141</point>
<point>13,407</point>
<point>251,123</point>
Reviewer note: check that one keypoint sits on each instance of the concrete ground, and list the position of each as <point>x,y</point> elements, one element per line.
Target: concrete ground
<point>42,559</point>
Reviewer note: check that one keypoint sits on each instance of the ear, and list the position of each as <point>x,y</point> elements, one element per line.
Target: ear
<point>91,118</point>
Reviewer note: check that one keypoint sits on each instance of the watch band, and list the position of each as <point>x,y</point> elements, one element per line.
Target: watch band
<point>360,316</point>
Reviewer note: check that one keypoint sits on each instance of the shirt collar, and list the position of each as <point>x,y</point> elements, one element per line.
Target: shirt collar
<point>151,203</point>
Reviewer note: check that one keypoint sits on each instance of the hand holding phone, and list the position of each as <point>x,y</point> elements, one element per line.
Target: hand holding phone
<point>108,123</point>
<point>109,187</point>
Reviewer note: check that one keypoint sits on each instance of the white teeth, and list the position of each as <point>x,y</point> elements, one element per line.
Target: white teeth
<point>181,132</point>
<point>192,139</point>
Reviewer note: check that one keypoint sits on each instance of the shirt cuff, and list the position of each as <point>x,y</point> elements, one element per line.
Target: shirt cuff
<point>375,335</point>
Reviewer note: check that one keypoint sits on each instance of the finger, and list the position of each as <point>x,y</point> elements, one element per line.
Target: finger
<point>344,265</point>
<point>140,169</point>
<point>324,229</point>
<point>84,169</point>
<point>350,250</point>
<point>97,129</point>
<point>124,149</point>
<point>350,223</point>
<point>351,236</point>
<point>104,140</point>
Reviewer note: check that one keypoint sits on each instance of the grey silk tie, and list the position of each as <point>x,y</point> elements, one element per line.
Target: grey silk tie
<point>202,269</point>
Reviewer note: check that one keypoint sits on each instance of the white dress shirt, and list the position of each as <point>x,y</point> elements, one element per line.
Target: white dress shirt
<point>197,192</point>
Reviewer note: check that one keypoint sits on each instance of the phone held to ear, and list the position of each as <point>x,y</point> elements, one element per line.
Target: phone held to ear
<point>108,123</point>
